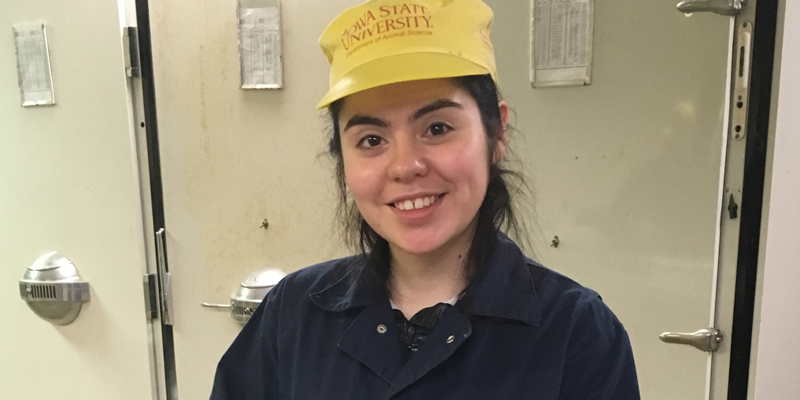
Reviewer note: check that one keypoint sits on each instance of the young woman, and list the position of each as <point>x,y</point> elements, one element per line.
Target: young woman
<point>440,304</point>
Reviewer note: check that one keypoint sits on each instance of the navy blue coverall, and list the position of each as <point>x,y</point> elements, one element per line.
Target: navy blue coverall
<point>522,331</point>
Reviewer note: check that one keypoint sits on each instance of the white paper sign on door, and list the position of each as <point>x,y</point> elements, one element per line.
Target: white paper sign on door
<point>33,65</point>
<point>561,42</point>
<point>260,50</point>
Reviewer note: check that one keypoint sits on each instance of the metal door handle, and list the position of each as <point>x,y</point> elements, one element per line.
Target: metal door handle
<point>722,7</point>
<point>213,305</point>
<point>704,339</point>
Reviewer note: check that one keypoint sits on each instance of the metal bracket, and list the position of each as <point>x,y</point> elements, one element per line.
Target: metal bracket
<point>131,44</point>
<point>150,293</point>
<point>164,278</point>
<point>741,90</point>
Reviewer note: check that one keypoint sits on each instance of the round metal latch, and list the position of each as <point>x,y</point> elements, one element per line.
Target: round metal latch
<point>250,293</point>
<point>53,289</point>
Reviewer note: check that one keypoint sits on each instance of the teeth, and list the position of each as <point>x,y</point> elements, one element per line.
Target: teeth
<point>415,204</point>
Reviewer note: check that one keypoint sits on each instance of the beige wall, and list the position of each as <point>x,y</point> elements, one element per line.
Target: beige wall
<point>778,328</point>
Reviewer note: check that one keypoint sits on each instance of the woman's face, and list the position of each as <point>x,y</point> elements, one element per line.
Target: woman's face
<point>416,162</point>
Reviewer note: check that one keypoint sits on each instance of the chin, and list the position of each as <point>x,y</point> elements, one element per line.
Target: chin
<point>418,244</point>
<point>418,249</point>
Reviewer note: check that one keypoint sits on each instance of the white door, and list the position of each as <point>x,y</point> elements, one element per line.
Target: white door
<point>628,175</point>
<point>69,182</point>
<point>626,172</point>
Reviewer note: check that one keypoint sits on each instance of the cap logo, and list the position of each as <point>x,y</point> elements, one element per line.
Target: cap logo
<point>380,42</point>
<point>386,22</point>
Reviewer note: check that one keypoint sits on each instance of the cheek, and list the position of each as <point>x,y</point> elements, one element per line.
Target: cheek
<point>469,164</point>
<point>362,181</point>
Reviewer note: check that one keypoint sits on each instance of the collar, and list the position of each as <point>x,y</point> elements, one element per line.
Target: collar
<point>506,287</point>
<point>504,290</point>
<point>347,284</point>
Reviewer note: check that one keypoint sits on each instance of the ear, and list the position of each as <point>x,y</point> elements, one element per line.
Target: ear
<point>502,139</point>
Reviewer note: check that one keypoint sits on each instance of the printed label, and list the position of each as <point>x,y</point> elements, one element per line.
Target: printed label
<point>387,22</point>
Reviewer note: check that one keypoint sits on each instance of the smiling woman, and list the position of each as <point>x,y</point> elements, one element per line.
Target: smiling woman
<point>440,303</point>
<point>408,141</point>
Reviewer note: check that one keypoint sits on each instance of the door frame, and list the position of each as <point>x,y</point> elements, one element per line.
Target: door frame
<point>749,233</point>
<point>758,140</point>
<point>152,196</point>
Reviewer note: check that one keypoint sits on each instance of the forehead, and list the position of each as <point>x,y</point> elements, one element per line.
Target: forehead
<point>403,98</point>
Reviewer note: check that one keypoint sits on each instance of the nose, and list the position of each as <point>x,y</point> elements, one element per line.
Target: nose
<point>407,160</point>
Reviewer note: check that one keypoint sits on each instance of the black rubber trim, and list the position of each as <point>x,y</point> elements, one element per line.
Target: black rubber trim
<point>758,121</point>
<point>154,160</point>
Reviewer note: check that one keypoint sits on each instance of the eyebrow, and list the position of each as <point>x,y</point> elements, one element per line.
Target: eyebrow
<point>367,120</point>
<point>436,105</point>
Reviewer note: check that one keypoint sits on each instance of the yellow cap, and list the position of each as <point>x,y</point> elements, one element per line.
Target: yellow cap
<point>387,41</point>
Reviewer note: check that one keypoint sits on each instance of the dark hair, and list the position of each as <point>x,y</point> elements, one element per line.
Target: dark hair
<point>495,213</point>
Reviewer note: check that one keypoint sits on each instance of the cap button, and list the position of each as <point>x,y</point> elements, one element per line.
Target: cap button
<point>381,329</point>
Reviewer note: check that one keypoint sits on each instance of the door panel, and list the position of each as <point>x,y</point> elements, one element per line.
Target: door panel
<point>68,182</point>
<point>231,159</point>
<point>626,171</point>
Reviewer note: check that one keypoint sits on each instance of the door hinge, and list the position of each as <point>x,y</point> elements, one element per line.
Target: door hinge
<point>150,299</point>
<point>131,43</point>
<point>164,278</point>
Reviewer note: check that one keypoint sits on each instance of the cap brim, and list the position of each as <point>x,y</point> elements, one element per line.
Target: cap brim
<point>401,68</point>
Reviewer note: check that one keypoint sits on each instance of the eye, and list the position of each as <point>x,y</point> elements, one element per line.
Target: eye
<point>370,141</point>
<point>439,128</point>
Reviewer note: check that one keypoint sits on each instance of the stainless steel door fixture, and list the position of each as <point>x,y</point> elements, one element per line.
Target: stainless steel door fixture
<point>53,289</point>
<point>704,339</point>
<point>721,7</point>
<point>251,291</point>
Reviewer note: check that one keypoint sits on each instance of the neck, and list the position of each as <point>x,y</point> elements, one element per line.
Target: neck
<point>419,281</point>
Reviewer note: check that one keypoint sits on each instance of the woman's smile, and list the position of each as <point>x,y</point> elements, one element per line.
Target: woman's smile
<point>416,210</point>
<point>414,202</point>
